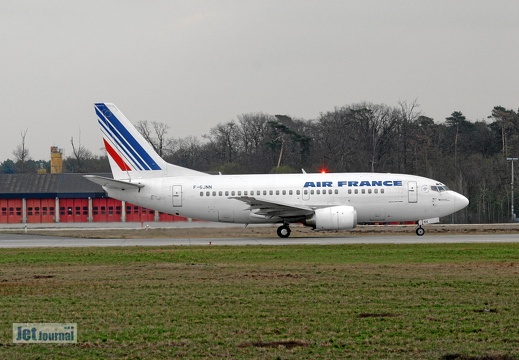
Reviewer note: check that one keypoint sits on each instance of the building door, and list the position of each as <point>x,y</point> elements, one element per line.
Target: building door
<point>11,211</point>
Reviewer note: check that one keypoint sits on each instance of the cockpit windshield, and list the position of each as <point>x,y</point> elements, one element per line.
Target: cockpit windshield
<point>439,188</point>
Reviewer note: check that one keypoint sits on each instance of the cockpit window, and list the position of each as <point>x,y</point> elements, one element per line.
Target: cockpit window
<point>439,188</point>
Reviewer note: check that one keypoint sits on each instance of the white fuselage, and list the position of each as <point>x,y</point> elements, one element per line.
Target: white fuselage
<point>376,197</point>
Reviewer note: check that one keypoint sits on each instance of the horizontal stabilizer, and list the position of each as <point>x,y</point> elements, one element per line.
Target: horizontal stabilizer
<point>113,184</point>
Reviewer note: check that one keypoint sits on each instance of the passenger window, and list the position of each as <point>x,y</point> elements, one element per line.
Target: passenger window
<point>207,193</point>
<point>219,193</point>
<point>298,192</point>
<point>264,192</point>
<point>226,193</point>
<point>277,192</point>
<point>381,191</point>
<point>245,193</point>
<point>214,193</point>
<point>284,192</point>
<point>271,192</point>
<point>363,191</point>
<point>311,192</point>
<point>369,191</point>
<point>233,193</point>
<point>201,193</point>
<point>336,191</point>
<point>356,191</point>
<point>318,192</point>
<point>375,191</point>
<point>290,192</point>
<point>239,193</point>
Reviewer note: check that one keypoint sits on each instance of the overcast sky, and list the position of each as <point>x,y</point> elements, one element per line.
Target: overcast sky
<point>194,64</point>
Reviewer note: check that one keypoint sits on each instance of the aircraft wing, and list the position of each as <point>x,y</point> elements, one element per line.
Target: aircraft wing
<point>271,209</point>
<point>113,184</point>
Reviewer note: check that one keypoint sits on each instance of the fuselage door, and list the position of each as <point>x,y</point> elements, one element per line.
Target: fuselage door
<point>306,194</point>
<point>177,195</point>
<point>412,191</point>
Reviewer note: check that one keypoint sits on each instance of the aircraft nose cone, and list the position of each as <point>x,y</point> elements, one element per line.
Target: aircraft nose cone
<point>460,202</point>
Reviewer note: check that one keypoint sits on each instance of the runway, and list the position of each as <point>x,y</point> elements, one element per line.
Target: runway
<point>34,241</point>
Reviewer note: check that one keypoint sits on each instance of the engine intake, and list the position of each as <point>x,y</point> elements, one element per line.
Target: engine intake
<point>333,218</point>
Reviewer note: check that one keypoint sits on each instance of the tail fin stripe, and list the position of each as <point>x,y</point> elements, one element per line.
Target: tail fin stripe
<point>124,138</point>
<point>120,141</point>
<point>118,160</point>
<point>116,140</point>
<point>133,145</point>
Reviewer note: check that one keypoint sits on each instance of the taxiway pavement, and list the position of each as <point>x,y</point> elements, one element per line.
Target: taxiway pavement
<point>33,241</point>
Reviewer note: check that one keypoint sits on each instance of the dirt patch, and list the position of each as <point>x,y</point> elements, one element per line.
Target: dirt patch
<point>376,315</point>
<point>289,344</point>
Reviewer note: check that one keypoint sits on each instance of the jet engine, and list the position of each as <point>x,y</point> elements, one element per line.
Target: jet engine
<point>333,218</point>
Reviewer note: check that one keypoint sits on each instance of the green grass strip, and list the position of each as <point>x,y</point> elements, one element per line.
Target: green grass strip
<point>289,302</point>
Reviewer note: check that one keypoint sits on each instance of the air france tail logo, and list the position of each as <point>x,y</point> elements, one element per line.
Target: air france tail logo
<point>123,147</point>
<point>321,184</point>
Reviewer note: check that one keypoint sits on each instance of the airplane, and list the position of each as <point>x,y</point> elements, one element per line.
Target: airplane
<point>323,201</point>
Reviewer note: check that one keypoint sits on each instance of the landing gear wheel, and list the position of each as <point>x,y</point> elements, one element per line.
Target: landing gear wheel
<point>420,231</point>
<point>284,231</point>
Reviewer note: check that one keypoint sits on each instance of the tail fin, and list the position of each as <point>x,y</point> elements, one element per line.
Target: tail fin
<point>130,155</point>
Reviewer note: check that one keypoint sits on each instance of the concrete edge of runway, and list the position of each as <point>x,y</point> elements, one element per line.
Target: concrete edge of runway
<point>363,234</point>
<point>35,241</point>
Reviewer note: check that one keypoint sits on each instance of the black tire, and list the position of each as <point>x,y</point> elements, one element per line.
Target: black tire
<point>283,231</point>
<point>420,231</point>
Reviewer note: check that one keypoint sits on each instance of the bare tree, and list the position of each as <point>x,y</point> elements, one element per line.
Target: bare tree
<point>155,133</point>
<point>21,153</point>
<point>409,114</point>
<point>81,155</point>
<point>375,125</point>
<point>224,138</point>
<point>336,140</point>
<point>187,152</point>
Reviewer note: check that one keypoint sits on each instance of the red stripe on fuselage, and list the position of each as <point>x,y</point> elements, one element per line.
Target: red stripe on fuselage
<point>118,160</point>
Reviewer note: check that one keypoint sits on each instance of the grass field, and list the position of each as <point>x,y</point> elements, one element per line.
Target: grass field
<point>455,301</point>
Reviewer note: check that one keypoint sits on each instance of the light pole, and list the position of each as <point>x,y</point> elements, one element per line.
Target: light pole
<point>512,206</point>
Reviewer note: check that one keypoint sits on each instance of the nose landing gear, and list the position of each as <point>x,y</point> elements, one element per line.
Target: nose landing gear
<point>420,230</point>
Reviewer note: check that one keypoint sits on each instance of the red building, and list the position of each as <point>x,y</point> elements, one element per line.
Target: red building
<point>47,198</point>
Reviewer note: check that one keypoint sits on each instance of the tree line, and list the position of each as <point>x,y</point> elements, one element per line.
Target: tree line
<point>468,156</point>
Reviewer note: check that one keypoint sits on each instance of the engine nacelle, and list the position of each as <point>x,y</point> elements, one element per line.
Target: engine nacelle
<point>333,218</point>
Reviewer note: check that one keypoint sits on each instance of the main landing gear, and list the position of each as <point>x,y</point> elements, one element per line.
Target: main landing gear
<point>284,231</point>
<point>420,230</point>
